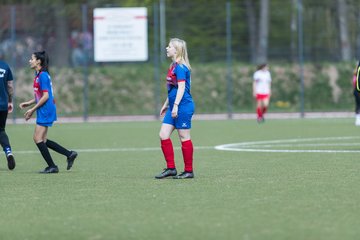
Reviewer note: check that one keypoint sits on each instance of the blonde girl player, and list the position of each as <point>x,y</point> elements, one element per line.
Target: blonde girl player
<point>44,105</point>
<point>262,90</point>
<point>178,109</point>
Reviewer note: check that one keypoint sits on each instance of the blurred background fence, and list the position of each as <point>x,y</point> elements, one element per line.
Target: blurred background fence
<point>312,47</point>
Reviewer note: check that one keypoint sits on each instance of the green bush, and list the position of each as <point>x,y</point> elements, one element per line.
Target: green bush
<point>131,89</point>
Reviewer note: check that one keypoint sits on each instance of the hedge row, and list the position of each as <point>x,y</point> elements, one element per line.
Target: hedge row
<point>129,89</point>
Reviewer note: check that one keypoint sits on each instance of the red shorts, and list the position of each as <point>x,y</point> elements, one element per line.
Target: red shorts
<point>262,96</point>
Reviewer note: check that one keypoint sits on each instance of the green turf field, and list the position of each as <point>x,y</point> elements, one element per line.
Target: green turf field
<point>285,179</point>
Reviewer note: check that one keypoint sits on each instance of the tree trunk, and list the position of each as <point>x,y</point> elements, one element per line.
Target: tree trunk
<point>263,32</point>
<point>344,33</point>
<point>250,12</point>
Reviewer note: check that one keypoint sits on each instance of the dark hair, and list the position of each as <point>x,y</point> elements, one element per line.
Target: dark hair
<point>44,60</point>
<point>261,66</point>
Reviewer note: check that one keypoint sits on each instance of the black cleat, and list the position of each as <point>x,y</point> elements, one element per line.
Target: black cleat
<point>70,160</point>
<point>184,175</point>
<point>11,161</point>
<point>53,169</point>
<point>168,172</point>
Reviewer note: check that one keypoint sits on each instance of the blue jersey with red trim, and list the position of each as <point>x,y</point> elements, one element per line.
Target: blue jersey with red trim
<point>178,73</point>
<point>46,113</point>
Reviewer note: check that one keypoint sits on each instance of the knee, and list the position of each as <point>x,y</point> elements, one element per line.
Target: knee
<point>184,136</point>
<point>163,135</point>
<point>36,139</point>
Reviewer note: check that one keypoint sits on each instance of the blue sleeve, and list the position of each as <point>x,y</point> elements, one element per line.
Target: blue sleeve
<point>180,72</point>
<point>44,80</point>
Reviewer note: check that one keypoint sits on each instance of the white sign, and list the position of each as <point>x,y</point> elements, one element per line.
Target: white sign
<point>120,34</point>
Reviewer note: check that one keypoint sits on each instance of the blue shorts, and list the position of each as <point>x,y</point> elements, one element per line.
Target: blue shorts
<point>45,124</point>
<point>183,121</point>
<point>46,115</point>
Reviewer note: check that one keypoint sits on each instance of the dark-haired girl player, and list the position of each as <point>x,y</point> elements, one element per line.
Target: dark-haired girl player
<point>178,109</point>
<point>44,105</point>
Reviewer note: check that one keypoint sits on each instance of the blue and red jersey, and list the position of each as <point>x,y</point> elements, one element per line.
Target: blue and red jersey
<point>178,73</point>
<point>45,114</point>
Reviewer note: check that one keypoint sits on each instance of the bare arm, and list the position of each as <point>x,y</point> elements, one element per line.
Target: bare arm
<point>41,101</point>
<point>10,89</point>
<point>179,95</point>
<point>164,107</point>
<point>254,89</point>
<point>270,90</point>
<point>27,104</point>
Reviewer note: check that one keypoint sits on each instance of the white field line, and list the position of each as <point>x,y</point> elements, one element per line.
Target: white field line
<point>309,145</point>
<point>255,145</point>
<point>102,150</point>
<point>290,151</point>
